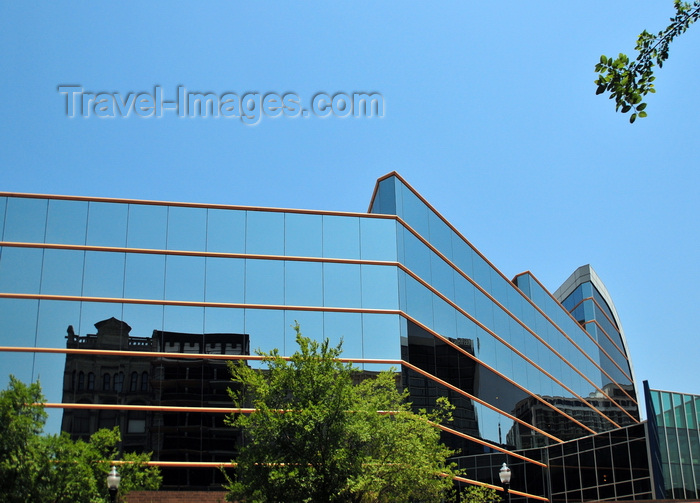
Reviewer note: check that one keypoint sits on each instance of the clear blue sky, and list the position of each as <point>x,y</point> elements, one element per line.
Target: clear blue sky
<point>490,114</point>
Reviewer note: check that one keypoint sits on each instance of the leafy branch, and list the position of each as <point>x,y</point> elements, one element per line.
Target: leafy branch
<point>629,81</point>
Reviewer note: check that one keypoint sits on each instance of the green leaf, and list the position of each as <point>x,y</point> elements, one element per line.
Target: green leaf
<point>641,107</point>
<point>642,114</point>
<point>633,117</point>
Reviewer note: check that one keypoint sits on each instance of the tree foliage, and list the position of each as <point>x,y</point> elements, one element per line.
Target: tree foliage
<point>316,437</point>
<point>54,468</point>
<point>628,81</point>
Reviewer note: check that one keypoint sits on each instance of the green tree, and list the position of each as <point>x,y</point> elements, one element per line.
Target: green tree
<point>628,81</point>
<point>316,437</point>
<point>54,468</point>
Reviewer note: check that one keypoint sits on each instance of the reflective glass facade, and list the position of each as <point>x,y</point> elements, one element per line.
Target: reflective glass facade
<point>526,369</point>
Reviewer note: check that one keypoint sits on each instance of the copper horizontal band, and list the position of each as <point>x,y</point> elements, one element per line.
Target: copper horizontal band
<point>192,253</point>
<point>233,305</point>
<point>149,408</point>
<point>477,483</point>
<point>89,199</point>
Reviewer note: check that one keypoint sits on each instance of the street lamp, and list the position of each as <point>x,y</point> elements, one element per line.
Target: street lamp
<point>504,474</point>
<point>113,480</point>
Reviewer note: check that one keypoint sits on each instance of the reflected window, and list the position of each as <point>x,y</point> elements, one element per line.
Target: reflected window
<point>134,384</point>
<point>144,381</point>
<point>81,381</point>
<point>118,381</point>
<point>106,382</point>
<point>91,381</point>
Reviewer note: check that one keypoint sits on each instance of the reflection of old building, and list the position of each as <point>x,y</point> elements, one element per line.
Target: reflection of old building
<point>161,381</point>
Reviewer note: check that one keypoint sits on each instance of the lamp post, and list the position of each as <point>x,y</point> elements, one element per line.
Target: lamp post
<point>113,480</point>
<point>504,474</point>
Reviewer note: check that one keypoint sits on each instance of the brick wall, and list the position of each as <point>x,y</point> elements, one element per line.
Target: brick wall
<point>176,497</point>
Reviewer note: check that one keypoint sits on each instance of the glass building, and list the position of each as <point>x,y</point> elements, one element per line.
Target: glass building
<point>541,381</point>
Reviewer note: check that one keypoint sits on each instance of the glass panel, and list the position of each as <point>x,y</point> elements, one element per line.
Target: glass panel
<point>107,224</point>
<point>379,287</point>
<point>218,320</point>
<point>3,206</point>
<point>342,286</point>
<point>414,213</point>
<point>143,318</point>
<point>265,233</point>
<point>416,256</point>
<point>266,328</point>
<point>381,337</point>
<point>419,301</point>
<point>378,239</point>
<point>20,270</point>
<point>104,274</point>
<point>303,235</point>
<point>226,231</point>
<point>341,237</point>
<point>187,228</point>
<point>25,221</point>
<point>67,222</point>
<point>183,319</point>
<point>145,276</point>
<point>225,280</point>
<point>442,276</point>
<point>310,324</point>
<point>264,282</point>
<point>147,226</point>
<point>348,328</point>
<point>94,312</point>
<point>184,278</point>
<point>440,235</point>
<point>303,283</point>
<point>62,273</point>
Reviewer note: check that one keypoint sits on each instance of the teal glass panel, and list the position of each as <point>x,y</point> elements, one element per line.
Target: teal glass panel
<point>679,413</point>
<point>20,270</point>
<point>62,272</point>
<point>462,255</point>
<point>143,318</point>
<point>107,223</point>
<point>220,320</point>
<point>303,235</point>
<point>342,285</point>
<point>265,233</point>
<point>147,227</point>
<point>341,237</point>
<point>381,337</point>
<point>379,287</point>
<point>378,239</point>
<point>183,319</point>
<point>3,206</point>
<point>25,220</point>
<point>385,198</point>
<point>104,274</point>
<point>416,256</point>
<point>264,282</point>
<point>414,212</point>
<point>67,222</point>
<point>419,302</point>
<point>656,403</point>
<point>345,327</point>
<point>226,231</point>
<point>440,235</point>
<point>267,329</point>
<point>187,228</point>
<point>225,280</point>
<point>145,276</point>
<point>445,318</point>
<point>442,276</point>
<point>310,324</point>
<point>184,278</point>
<point>690,416</point>
<point>303,283</point>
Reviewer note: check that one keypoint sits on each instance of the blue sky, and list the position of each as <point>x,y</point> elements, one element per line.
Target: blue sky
<point>490,113</point>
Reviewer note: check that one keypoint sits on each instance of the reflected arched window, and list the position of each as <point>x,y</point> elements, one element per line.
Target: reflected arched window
<point>105,382</point>
<point>91,381</point>
<point>134,382</point>
<point>144,381</point>
<point>118,382</point>
<point>81,380</point>
<point>72,381</point>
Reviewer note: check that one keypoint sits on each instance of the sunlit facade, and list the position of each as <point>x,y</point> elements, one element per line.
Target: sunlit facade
<point>528,371</point>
